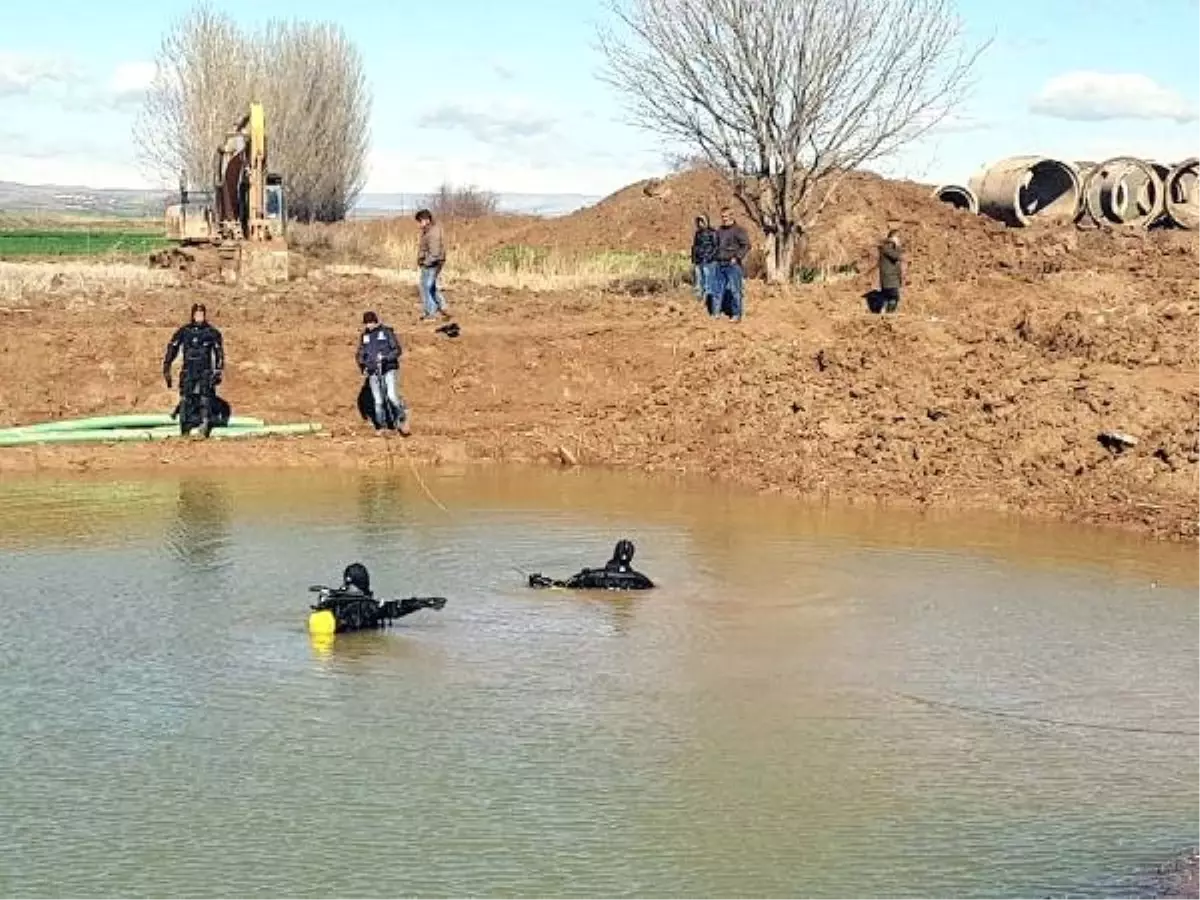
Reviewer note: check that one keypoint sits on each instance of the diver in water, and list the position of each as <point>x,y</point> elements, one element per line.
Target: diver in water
<point>354,606</point>
<point>357,580</point>
<point>617,575</point>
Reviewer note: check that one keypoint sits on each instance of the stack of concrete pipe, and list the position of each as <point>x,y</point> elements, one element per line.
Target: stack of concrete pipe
<point>1024,190</point>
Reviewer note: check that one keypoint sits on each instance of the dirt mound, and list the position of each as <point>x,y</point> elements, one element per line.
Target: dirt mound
<point>994,394</point>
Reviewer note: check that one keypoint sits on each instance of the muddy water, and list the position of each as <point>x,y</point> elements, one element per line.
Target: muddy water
<point>814,703</point>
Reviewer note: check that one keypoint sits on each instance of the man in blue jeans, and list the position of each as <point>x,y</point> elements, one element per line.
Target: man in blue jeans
<point>733,246</point>
<point>379,359</point>
<point>431,256</point>
<point>704,248</point>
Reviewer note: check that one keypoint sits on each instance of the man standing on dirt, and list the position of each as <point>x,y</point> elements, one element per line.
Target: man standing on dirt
<point>733,246</point>
<point>379,359</point>
<point>890,275</point>
<point>203,363</point>
<point>704,251</point>
<point>431,256</point>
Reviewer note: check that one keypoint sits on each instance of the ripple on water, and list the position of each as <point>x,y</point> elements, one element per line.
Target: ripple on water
<point>748,729</point>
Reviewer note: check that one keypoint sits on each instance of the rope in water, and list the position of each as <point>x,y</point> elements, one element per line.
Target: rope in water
<point>1043,720</point>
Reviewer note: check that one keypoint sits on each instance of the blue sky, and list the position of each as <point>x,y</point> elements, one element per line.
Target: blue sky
<point>503,93</point>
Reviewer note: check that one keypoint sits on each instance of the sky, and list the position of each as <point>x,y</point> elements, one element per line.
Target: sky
<point>504,94</point>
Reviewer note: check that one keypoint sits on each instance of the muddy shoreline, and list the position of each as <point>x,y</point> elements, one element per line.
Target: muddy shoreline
<point>943,406</point>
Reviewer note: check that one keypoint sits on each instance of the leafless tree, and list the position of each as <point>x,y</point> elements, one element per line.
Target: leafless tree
<point>198,94</point>
<point>784,97</point>
<point>451,202</point>
<point>309,78</point>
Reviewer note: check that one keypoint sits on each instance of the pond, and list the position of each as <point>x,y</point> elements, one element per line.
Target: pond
<point>814,702</point>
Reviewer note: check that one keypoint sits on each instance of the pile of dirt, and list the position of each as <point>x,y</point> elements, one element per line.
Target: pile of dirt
<point>943,245</point>
<point>994,394</point>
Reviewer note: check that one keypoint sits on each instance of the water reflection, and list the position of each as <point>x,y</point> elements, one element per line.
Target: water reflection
<point>199,535</point>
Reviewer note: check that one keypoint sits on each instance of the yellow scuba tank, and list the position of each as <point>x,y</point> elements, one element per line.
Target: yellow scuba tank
<point>322,622</point>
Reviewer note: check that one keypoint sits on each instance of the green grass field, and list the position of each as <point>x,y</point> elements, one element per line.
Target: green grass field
<point>77,242</point>
<point>37,234</point>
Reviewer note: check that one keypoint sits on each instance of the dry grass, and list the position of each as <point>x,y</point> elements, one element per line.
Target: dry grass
<point>37,220</point>
<point>22,280</point>
<point>487,259</point>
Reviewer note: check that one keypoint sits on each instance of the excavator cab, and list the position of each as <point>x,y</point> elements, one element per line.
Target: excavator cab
<point>276,209</point>
<point>243,218</point>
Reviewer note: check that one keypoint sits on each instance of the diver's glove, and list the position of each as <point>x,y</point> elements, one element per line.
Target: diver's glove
<point>217,377</point>
<point>540,581</point>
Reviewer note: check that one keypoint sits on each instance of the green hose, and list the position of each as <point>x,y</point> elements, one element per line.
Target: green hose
<point>105,435</point>
<point>132,420</point>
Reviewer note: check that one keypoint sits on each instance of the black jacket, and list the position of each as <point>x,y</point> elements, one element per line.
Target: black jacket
<point>378,350</point>
<point>732,244</point>
<point>890,275</point>
<point>202,347</point>
<point>704,246</point>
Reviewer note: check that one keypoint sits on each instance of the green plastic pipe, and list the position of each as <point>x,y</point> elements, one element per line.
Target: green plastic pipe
<point>130,420</point>
<point>105,435</point>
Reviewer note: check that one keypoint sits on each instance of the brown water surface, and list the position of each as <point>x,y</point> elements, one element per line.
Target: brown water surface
<point>813,703</point>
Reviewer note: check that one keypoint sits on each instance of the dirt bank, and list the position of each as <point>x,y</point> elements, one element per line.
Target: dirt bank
<point>983,392</point>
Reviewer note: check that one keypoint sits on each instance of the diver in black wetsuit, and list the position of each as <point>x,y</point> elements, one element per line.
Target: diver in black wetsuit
<point>203,351</point>
<point>355,607</point>
<point>617,575</point>
<point>357,580</point>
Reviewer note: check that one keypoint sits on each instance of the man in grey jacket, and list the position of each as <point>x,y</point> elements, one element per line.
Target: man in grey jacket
<point>431,256</point>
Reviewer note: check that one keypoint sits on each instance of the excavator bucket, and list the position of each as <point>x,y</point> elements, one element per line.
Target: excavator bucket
<point>261,262</point>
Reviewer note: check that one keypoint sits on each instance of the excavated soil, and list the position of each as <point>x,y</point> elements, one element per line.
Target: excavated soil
<point>989,389</point>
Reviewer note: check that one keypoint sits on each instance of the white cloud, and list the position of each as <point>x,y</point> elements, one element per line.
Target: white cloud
<point>1096,96</point>
<point>498,121</point>
<point>20,73</point>
<point>71,170</point>
<point>394,172</point>
<point>130,80</point>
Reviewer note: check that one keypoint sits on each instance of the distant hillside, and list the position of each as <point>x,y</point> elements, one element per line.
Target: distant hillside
<point>53,198</point>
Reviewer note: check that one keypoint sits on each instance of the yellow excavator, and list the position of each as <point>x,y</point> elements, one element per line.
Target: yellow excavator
<point>239,224</point>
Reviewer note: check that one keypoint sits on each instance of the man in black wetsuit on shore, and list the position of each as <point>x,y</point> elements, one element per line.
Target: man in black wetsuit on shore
<point>203,352</point>
<point>617,575</point>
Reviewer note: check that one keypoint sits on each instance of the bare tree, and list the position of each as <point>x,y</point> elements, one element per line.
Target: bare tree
<point>197,95</point>
<point>451,202</point>
<point>309,77</point>
<point>784,97</point>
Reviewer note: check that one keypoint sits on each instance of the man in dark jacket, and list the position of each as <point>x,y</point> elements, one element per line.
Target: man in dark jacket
<point>704,251</point>
<point>203,352</point>
<point>890,275</point>
<point>379,359</point>
<point>733,246</point>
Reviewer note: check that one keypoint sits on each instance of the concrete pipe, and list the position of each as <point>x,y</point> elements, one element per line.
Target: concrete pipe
<point>959,197</point>
<point>1084,169</point>
<point>1182,198</point>
<point>1024,189</point>
<point>1124,191</point>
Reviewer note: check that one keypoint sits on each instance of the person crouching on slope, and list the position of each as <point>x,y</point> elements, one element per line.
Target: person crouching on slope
<point>379,360</point>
